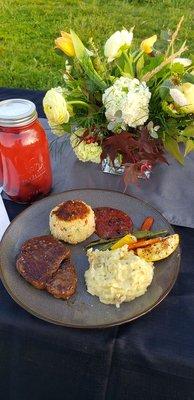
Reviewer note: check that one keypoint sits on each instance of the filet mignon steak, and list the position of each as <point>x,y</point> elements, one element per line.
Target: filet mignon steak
<point>40,258</point>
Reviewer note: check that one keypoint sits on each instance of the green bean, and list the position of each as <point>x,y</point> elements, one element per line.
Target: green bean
<point>149,234</point>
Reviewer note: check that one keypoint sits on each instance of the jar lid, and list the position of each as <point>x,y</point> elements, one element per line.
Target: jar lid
<point>17,112</point>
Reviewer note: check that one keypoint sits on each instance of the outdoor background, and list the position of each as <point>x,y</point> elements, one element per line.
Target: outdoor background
<point>28,29</point>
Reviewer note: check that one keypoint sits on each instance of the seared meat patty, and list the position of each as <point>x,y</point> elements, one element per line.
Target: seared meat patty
<point>63,284</point>
<point>111,222</point>
<point>40,258</point>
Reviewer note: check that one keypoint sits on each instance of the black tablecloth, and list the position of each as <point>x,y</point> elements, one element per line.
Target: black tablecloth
<point>150,358</point>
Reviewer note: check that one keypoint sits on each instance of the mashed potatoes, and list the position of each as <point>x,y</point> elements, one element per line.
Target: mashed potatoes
<point>72,221</point>
<point>117,276</point>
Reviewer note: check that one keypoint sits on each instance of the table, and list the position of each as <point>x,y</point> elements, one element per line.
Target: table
<point>150,358</point>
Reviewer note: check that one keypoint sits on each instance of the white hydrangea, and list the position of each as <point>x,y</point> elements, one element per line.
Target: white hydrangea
<point>85,151</point>
<point>126,103</point>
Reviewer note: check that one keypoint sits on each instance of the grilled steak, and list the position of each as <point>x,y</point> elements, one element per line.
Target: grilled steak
<point>63,284</point>
<point>40,258</point>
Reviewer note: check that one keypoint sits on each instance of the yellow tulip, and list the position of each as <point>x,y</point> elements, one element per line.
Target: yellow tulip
<point>147,45</point>
<point>65,44</point>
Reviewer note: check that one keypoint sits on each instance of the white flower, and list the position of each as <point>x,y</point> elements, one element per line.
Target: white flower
<point>55,107</point>
<point>83,150</point>
<point>183,96</point>
<point>183,61</point>
<point>126,103</point>
<point>114,45</point>
<point>178,97</point>
<point>188,91</point>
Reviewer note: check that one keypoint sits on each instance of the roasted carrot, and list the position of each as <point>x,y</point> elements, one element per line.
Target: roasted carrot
<point>144,243</point>
<point>147,224</point>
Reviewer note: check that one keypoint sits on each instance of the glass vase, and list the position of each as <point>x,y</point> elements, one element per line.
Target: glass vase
<point>109,168</point>
<point>118,169</point>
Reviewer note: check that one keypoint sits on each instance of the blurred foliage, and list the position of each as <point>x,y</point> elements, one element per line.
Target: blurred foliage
<point>28,29</point>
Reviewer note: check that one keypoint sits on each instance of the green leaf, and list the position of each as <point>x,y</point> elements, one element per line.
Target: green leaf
<point>189,146</point>
<point>140,64</point>
<point>164,92</point>
<point>85,61</point>
<point>165,89</point>
<point>165,35</point>
<point>177,68</point>
<point>172,112</point>
<point>152,62</point>
<point>189,131</point>
<point>188,78</point>
<point>172,147</point>
<point>80,49</point>
<point>172,127</point>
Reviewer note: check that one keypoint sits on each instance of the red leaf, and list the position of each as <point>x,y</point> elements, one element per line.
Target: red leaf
<point>138,149</point>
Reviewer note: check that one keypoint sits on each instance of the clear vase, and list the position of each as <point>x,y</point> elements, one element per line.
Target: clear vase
<point>109,168</point>
<point>118,169</point>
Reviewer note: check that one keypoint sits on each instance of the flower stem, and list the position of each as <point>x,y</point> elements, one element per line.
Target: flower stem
<point>120,69</point>
<point>129,62</point>
<point>174,36</point>
<point>138,56</point>
<point>167,61</point>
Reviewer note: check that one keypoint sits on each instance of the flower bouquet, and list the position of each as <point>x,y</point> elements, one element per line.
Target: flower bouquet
<point>127,107</point>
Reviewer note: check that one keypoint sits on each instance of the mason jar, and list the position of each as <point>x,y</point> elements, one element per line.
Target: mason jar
<point>25,165</point>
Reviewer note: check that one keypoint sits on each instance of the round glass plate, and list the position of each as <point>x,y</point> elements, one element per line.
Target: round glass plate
<point>82,310</point>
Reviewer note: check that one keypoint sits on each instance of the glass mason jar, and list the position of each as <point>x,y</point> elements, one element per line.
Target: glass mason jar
<point>25,166</point>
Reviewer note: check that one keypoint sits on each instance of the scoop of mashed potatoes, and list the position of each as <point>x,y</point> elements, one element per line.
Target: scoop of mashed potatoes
<point>117,276</point>
<point>72,221</point>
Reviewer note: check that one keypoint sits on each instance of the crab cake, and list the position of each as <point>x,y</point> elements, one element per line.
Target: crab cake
<point>72,221</point>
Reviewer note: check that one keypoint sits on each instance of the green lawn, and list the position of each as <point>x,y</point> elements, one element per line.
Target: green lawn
<point>28,29</point>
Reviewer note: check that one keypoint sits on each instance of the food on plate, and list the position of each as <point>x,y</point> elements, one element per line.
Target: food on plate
<point>127,239</point>
<point>144,243</point>
<point>107,244</point>
<point>149,234</point>
<point>160,250</point>
<point>111,222</point>
<point>117,276</point>
<point>101,244</point>
<point>72,221</point>
<point>63,284</point>
<point>117,272</point>
<point>40,258</point>
<point>120,262</point>
<point>45,263</point>
<point>147,224</point>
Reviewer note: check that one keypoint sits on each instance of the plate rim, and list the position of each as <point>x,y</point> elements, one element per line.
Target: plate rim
<point>101,326</point>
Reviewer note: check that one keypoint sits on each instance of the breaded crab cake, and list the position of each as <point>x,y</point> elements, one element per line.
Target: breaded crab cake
<point>72,221</point>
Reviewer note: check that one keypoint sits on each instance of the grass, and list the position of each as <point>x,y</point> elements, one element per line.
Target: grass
<point>28,29</point>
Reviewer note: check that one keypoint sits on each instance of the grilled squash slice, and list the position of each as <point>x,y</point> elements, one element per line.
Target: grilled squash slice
<point>160,250</point>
